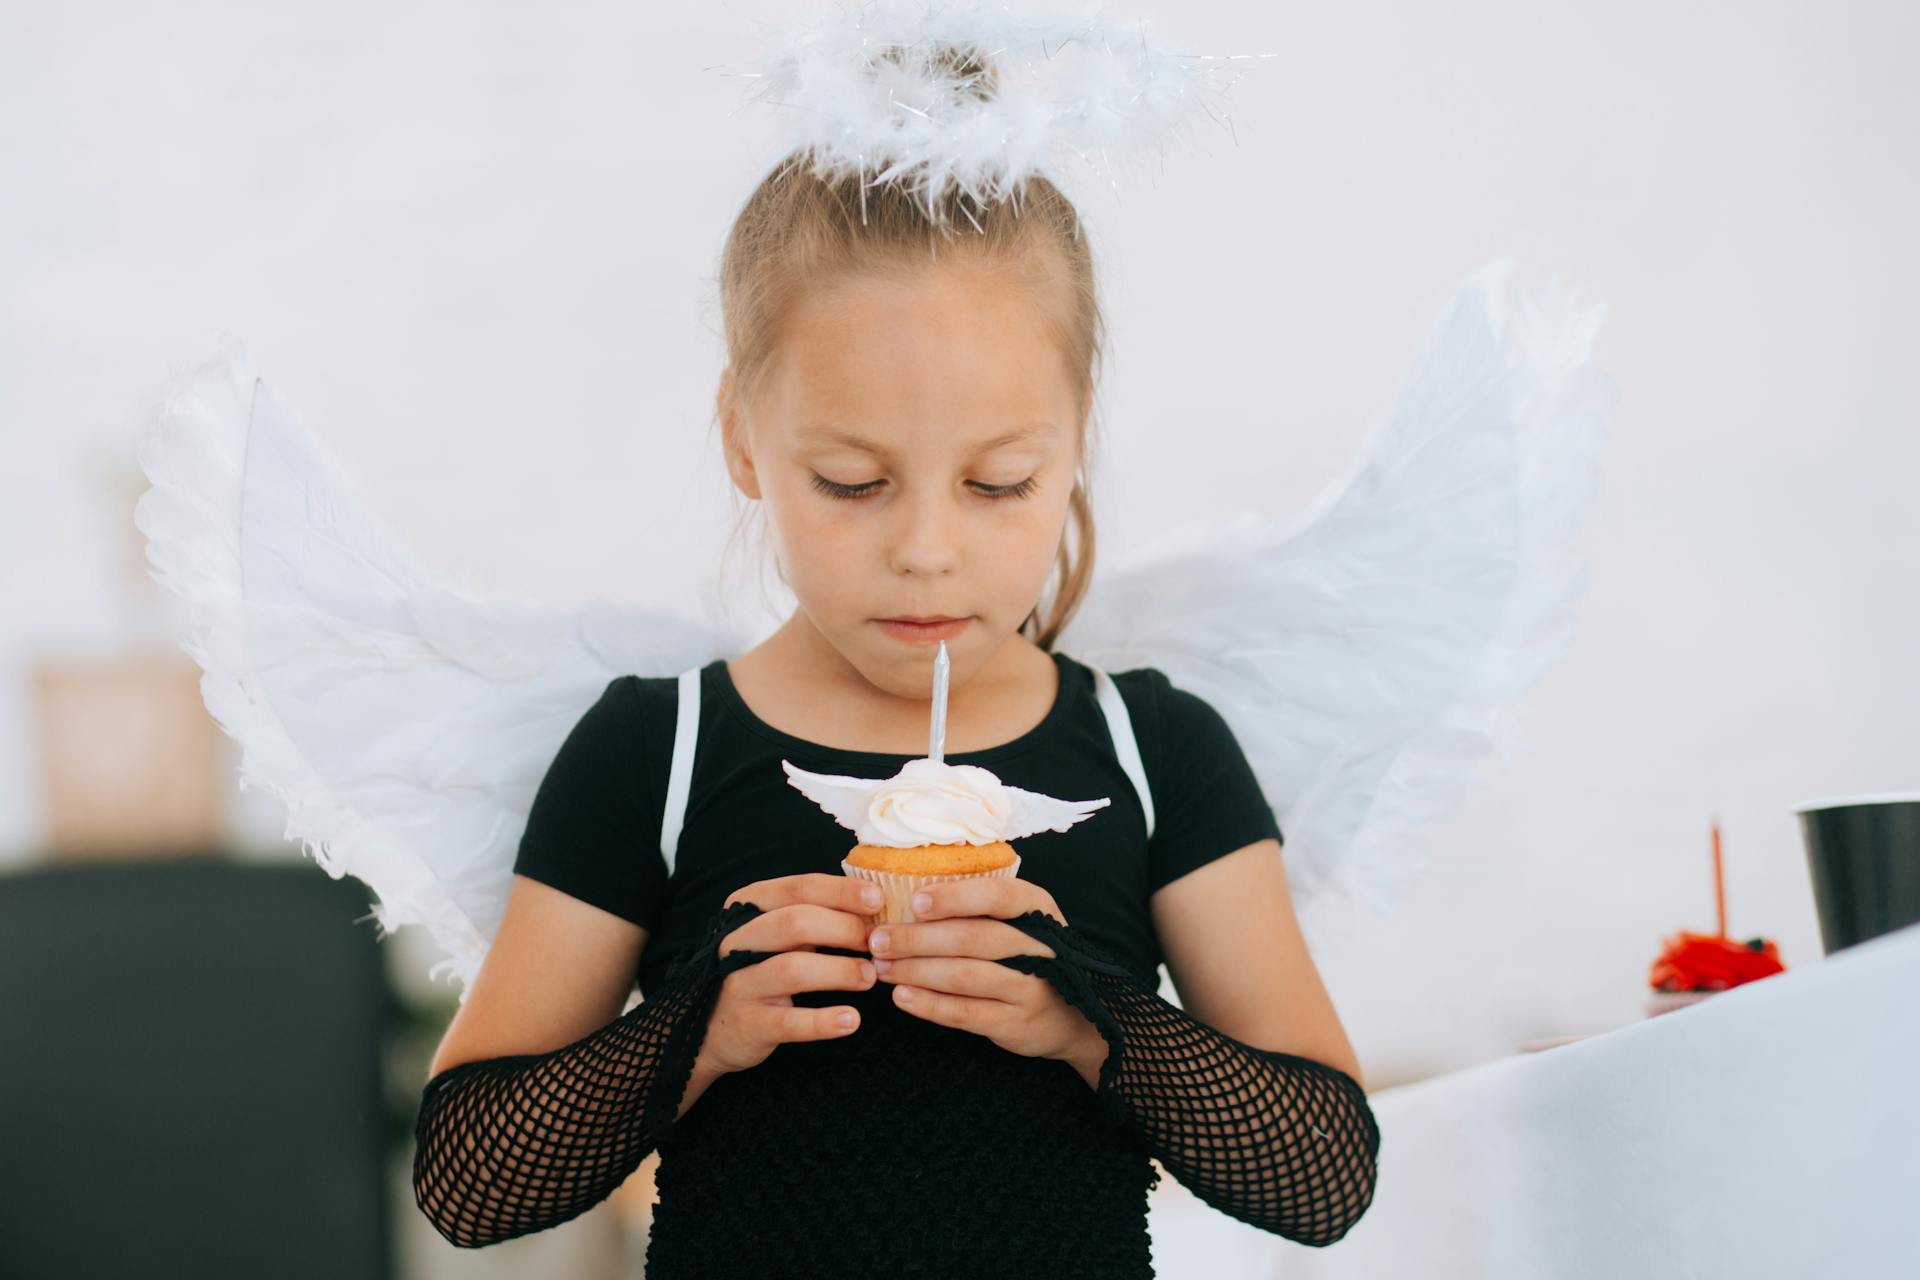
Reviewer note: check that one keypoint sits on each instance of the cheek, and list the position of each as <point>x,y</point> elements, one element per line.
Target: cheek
<point>819,545</point>
<point>1024,548</point>
<point>1027,533</point>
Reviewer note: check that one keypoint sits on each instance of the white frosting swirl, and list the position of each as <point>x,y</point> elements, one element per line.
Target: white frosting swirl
<point>933,802</point>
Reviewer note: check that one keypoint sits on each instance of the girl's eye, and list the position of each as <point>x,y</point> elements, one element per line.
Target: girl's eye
<point>831,489</point>
<point>1021,490</point>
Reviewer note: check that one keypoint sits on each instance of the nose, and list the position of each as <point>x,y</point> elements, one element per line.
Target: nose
<point>925,541</point>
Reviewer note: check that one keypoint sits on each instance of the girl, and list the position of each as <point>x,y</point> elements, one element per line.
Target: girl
<point>980,1091</point>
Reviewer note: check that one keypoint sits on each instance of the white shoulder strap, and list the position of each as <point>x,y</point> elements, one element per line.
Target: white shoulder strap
<point>1120,729</point>
<point>686,730</point>
<point>687,726</point>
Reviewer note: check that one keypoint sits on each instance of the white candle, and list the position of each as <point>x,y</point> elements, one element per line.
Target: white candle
<point>937,731</point>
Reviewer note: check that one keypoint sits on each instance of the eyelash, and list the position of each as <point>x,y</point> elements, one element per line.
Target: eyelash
<point>853,491</point>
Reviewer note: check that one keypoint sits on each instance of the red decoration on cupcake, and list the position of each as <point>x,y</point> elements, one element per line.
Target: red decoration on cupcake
<point>1708,962</point>
<point>1703,962</point>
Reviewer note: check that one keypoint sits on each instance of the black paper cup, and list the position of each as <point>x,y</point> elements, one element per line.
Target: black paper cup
<point>1864,856</point>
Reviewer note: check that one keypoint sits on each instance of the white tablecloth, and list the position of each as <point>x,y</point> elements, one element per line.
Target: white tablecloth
<point>1771,1132</point>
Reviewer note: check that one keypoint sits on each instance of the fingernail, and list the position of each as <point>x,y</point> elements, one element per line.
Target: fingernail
<point>871,895</point>
<point>844,1020</point>
<point>922,901</point>
<point>883,965</point>
<point>878,941</point>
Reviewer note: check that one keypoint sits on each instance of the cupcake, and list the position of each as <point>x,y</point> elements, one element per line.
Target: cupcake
<point>1692,966</point>
<point>932,822</point>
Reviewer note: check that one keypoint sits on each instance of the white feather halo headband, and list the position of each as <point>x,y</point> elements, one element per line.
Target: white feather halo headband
<point>934,94</point>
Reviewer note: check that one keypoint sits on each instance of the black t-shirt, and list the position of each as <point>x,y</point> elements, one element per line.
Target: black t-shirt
<point>594,828</point>
<point>926,1145</point>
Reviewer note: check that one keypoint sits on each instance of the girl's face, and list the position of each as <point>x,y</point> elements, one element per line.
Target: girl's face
<point>914,442</point>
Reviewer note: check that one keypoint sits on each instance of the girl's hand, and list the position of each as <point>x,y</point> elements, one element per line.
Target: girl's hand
<point>755,1013</point>
<point>942,967</point>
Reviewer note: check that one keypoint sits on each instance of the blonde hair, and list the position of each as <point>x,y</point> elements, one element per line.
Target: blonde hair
<point>799,227</point>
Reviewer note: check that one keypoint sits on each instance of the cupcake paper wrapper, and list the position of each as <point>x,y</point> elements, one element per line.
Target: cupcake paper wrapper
<point>899,889</point>
<point>1660,1002</point>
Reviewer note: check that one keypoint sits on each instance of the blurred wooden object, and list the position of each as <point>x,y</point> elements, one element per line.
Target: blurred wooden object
<point>131,762</point>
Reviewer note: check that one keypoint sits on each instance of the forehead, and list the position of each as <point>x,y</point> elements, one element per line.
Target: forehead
<point>940,348</point>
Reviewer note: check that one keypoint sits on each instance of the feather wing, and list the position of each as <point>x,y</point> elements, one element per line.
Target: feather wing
<point>1364,652</point>
<point>405,722</point>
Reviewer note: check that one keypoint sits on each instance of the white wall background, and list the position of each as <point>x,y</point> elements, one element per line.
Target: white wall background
<point>473,245</point>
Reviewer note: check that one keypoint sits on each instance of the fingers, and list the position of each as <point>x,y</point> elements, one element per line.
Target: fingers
<point>1002,896</point>
<point>821,888</point>
<point>802,924</point>
<point>957,975</point>
<point>795,971</point>
<point>798,1023</point>
<point>781,976</point>
<point>745,1030</point>
<point>977,936</point>
<point>981,1015</point>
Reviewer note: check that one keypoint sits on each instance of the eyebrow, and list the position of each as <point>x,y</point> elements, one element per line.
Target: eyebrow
<point>832,435</point>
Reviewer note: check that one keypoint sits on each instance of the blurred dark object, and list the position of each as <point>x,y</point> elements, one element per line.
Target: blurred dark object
<point>192,1078</point>
<point>1864,855</point>
<point>132,764</point>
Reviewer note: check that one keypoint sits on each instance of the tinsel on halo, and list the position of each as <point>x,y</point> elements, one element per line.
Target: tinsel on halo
<point>941,95</point>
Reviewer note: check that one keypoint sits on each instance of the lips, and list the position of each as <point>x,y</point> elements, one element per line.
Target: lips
<point>918,631</point>
<point>942,617</point>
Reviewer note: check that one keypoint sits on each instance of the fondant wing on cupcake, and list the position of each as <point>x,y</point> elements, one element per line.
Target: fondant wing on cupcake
<point>845,799</point>
<point>1033,812</point>
<point>849,801</point>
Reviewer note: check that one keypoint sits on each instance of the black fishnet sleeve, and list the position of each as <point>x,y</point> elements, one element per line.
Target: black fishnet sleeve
<point>512,1145</point>
<point>1285,1143</point>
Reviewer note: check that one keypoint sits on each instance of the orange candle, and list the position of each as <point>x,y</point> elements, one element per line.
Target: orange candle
<point>1719,881</point>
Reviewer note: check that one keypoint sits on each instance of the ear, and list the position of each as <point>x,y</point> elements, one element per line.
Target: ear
<point>734,440</point>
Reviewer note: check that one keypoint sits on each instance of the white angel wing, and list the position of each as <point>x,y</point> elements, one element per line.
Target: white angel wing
<point>1362,653</point>
<point>405,723</point>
